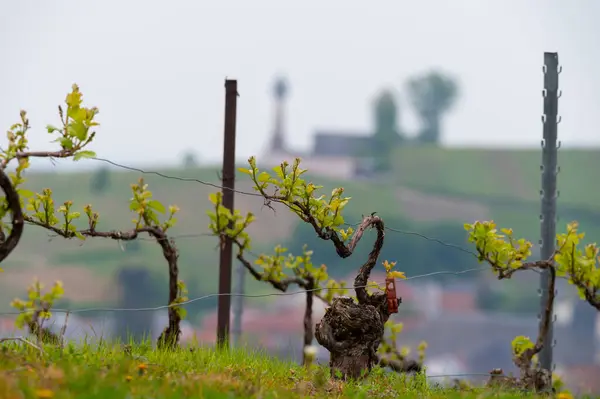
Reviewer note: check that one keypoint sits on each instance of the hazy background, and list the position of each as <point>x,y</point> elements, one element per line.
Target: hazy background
<point>157,69</point>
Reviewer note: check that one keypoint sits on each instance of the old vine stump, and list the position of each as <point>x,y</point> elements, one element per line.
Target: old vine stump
<point>352,332</point>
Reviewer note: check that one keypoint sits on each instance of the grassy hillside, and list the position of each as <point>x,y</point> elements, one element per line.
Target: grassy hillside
<point>96,260</point>
<point>510,174</point>
<point>429,186</point>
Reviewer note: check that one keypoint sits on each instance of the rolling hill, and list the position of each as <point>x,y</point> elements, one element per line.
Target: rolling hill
<point>428,186</point>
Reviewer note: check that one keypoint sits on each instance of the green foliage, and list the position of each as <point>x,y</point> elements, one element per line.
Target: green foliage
<point>389,346</point>
<point>393,329</point>
<point>36,302</point>
<point>224,223</point>
<point>233,225</point>
<point>274,265</point>
<point>502,251</point>
<point>520,344</point>
<point>506,254</point>
<point>325,214</point>
<point>17,140</point>
<point>42,206</point>
<point>73,136</point>
<point>148,208</point>
<point>75,131</point>
<point>389,274</point>
<point>44,213</point>
<point>579,265</point>
<point>182,297</point>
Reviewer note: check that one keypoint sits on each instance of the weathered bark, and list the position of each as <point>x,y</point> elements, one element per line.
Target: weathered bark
<point>308,323</point>
<point>352,330</point>
<point>536,378</point>
<point>7,245</point>
<point>339,339</point>
<point>170,335</point>
<point>169,338</point>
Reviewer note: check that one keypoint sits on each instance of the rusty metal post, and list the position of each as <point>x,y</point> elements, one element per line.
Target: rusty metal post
<point>224,304</point>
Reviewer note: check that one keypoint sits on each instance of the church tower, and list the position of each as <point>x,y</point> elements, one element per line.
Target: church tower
<point>280,91</point>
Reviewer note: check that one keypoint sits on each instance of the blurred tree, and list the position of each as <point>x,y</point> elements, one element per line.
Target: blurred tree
<point>511,299</point>
<point>386,135</point>
<point>190,160</point>
<point>432,95</point>
<point>138,290</point>
<point>100,181</point>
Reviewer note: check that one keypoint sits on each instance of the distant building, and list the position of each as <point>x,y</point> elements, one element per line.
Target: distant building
<point>341,144</point>
<point>334,154</point>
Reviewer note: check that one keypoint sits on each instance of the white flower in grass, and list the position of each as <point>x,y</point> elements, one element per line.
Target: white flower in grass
<point>310,352</point>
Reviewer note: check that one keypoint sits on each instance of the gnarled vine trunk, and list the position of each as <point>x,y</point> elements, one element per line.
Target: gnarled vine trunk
<point>308,320</point>
<point>352,330</point>
<point>169,338</point>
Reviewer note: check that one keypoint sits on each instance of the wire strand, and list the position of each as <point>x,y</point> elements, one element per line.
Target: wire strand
<point>187,179</point>
<point>191,179</point>
<point>148,309</point>
<point>449,245</point>
<point>207,234</point>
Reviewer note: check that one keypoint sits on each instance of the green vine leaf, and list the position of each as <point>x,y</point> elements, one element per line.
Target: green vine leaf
<point>84,155</point>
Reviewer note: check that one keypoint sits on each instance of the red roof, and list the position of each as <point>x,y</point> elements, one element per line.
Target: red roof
<point>459,301</point>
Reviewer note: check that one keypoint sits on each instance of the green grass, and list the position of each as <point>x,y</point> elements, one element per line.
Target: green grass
<point>107,371</point>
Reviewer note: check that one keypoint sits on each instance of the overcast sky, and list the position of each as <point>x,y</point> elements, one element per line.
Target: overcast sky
<point>156,69</point>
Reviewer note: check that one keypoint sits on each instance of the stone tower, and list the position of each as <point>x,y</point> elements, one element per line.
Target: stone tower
<point>280,91</point>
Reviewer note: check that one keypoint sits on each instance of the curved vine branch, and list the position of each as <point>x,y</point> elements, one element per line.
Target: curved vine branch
<point>487,249</point>
<point>365,271</point>
<point>351,330</point>
<point>7,245</point>
<point>170,336</point>
<point>74,134</point>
